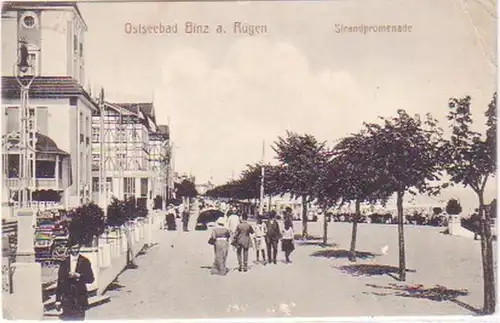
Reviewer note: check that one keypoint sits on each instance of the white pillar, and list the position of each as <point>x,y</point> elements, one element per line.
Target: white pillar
<point>27,301</point>
<point>26,221</point>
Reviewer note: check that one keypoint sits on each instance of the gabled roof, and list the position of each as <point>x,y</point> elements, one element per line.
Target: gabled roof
<point>45,87</point>
<point>145,107</point>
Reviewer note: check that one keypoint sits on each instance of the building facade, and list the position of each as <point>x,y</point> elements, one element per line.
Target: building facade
<point>131,150</point>
<point>53,34</point>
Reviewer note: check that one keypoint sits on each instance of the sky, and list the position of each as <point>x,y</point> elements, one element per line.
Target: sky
<point>225,94</point>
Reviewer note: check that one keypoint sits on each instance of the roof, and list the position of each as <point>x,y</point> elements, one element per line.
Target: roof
<point>45,145</point>
<point>12,5</point>
<point>146,108</point>
<point>45,87</point>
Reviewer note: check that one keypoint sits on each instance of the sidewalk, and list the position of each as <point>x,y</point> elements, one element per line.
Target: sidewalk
<point>173,280</point>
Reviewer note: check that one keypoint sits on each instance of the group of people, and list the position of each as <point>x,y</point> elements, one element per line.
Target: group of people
<point>264,237</point>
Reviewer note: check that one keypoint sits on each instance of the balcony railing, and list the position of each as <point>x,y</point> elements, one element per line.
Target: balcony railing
<point>41,183</point>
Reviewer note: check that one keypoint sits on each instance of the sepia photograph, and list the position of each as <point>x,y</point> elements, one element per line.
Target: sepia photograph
<point>249,159</point>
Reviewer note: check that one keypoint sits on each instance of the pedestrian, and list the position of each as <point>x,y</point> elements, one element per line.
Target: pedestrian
<point>185,220</point>
<point>130,247</point>
<point>273,236</point>
<point>233,221</point>
<point>287,245</point>
<point>220,240</point>
<point>242,242</point>
<point>260,239</point>
<point>75,271</point>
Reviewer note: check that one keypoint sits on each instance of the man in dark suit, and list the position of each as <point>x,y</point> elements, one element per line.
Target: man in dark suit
<point>71,293</point>
<point>273,237</point>
<point>242,242</point>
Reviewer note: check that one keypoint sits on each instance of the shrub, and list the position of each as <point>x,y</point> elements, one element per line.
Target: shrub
<point>453,207</point>
<point>116,213</point>
<point>437,210</point>
<point>141,208</point>
<point>87,223</point>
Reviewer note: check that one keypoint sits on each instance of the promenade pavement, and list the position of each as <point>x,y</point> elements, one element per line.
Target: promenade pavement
<point>173,279</point>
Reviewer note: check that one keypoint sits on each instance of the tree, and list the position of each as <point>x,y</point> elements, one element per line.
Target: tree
<point>301,156</point>
<point>453,207</point>
<point>355,177</point>
<point>186,188</point>
<point>470,161</point>
<point>87,223</point>
<point>405,152</point>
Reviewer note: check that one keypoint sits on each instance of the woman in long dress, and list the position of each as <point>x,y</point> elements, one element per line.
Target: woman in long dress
<point>220,240</point>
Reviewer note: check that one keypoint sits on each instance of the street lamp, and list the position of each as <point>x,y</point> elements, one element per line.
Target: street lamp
<point>26,219</point>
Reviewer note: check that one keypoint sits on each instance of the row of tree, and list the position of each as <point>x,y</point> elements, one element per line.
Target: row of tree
<point>399,155</point>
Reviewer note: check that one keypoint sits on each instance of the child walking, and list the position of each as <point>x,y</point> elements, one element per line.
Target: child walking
<point>287,245</point>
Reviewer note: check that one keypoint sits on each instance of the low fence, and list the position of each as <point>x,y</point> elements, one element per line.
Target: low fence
<point>108,259</point>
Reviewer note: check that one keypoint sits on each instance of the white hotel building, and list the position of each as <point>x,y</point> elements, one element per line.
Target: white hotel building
<point>65,115</point>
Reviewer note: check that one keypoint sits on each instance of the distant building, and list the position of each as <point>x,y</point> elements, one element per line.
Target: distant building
<point>203,188</point>
<point>134,152</point>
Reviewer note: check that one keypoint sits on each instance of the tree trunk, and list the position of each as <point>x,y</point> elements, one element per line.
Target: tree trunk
<point>355,231</point>
<point>401,237</point>
<point>325,227</point>
<point>269,206</point>
<point>304,217</point>
<point>487,258</point>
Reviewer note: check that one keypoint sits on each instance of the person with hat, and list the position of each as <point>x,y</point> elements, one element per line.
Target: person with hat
<point>75,271</point>
<point>220,240</point>
<point>243,242</point>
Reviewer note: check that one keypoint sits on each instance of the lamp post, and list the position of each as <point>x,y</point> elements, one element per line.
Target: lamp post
<point>262,175</point>
<point>27,277</point>
<point>27,135</point>
<point>103,200</point>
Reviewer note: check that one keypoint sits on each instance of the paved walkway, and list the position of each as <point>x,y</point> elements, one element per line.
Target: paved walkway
<point>173,279</point>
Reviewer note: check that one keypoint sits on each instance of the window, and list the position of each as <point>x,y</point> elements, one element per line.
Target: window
<point>129,186</point>
<point>95,184</point>
<point>33,61</point>
<point>109,184</point>
<point>42,116</point>
<point>75,43</point>
<point>12,119</point>
<point>32,120</point>
<point>96,134</point>
<point>81,122</point>
<point>144,187</point>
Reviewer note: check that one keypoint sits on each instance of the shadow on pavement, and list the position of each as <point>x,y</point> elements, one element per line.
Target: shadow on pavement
<point>371,270</point>
<point>317,243</point>
<point>437,294</point>
<point>341,253</point>
<point>298,237</point>
<point>114,286</point>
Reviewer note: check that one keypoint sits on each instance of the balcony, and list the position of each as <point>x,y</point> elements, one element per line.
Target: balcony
<point>41,184</point>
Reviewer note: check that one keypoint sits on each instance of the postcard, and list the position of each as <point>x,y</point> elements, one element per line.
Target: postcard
<point>249,159</point>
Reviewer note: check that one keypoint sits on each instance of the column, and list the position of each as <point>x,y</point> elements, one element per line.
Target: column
<point>56,170</point>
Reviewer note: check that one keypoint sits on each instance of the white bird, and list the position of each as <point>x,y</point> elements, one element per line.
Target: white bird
<point>384,249</point>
